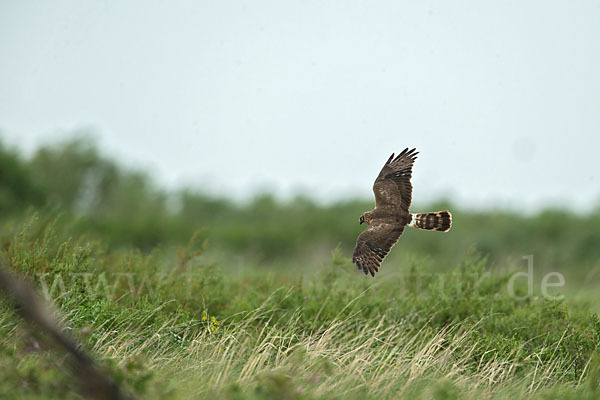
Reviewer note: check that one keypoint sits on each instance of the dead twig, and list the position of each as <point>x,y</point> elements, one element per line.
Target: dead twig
<point>95,384</point>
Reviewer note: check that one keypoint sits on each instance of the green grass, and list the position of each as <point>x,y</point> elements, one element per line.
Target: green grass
<point>185,295</point>
<point>260,334</point>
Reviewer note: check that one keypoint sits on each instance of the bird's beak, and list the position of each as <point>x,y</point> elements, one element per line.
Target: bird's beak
<point>361,222</point>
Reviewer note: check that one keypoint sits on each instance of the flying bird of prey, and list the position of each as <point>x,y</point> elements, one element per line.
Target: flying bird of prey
<point>393,194</point>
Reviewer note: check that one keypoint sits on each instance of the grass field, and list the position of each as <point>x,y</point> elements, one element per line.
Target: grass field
<point>189,296</point>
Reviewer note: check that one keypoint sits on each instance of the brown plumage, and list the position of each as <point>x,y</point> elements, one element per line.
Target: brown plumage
<point>393,194</point>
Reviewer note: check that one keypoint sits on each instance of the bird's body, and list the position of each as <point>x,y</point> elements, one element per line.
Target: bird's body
<point>393,195</point>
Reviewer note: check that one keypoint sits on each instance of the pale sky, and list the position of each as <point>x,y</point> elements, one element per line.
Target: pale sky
<point>502,98</point>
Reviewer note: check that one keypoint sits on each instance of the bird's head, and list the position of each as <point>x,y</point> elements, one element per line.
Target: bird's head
<point>366,218</point>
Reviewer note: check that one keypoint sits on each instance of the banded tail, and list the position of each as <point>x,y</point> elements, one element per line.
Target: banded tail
<point>433,221</point>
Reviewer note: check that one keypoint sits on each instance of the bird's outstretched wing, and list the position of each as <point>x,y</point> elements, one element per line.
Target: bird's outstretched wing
<point>374,244</point>
<point>392,187</point>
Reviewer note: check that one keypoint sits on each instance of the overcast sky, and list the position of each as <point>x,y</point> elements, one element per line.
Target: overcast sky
<point>502,98</point>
